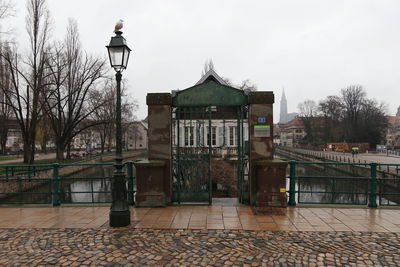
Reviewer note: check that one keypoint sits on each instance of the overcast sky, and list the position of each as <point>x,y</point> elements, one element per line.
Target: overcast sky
<point>312,48</point>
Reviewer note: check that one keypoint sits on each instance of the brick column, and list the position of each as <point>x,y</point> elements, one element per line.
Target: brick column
<point>265,181</point>
<point>160,135</point>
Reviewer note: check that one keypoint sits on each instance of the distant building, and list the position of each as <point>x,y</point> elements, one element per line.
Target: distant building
<point>277,134</point>
<point>136,135</point>
<point>14,136</point>
<point>393,132</point>
<point>284,115</point>
<point>292,133</point>
<point>87,139</point>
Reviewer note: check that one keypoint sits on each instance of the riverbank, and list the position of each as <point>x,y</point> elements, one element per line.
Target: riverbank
<point>51,158</point>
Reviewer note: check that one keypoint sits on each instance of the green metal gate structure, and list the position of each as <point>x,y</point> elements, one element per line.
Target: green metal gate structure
<point>200,136</point>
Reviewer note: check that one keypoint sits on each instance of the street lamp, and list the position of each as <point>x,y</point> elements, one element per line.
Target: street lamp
<point>118,52</point>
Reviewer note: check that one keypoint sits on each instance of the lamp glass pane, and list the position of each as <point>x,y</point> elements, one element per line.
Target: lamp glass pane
<point>116,56</point>
<point>126,56</point>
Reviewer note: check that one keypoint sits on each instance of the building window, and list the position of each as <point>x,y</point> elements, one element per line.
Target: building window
<point>199,136</point>
<point>189,137</point>
<point>232,135</point>
<point>213,136</point>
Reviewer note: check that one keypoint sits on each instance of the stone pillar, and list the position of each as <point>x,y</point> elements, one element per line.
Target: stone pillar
<point>160,136</point>
<point>264,189</point>
<point>150,183</point>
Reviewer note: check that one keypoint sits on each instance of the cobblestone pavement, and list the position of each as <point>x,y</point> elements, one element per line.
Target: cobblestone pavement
<point>149,247</point>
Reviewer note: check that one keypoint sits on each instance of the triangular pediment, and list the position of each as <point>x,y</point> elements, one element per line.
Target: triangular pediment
<point>211,75</point>
<point>210,93</point>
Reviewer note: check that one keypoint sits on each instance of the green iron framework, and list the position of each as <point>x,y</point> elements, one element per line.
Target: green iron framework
<point>343,183</point>
<point>47,183</point>
<point>195,148</point>
<point>368,184</point>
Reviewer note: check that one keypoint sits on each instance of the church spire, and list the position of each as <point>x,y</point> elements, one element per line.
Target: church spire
<point>284,114</point>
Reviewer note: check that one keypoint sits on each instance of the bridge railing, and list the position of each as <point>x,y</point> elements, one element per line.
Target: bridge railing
<point>344,183</point>
<point>58,184</point>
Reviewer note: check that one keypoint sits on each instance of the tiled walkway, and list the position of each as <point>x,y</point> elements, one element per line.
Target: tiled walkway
<point>208,217</point>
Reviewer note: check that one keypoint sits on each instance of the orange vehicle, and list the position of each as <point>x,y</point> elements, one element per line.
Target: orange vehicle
<point>347,147</point>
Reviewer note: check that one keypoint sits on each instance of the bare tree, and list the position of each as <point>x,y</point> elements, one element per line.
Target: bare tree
<point>104,115</point>
<point>208,65</point>
<point>351,117</point>
<point>247,85</point>
<point>353,98</point>
<point>308,108</point>
<point>28,79</point>
<point>6,10</point>
<point>73,75</point>
<point>373,123</point>
<point>308,112</point>
<point>332,111</point>
<point>5,110</point>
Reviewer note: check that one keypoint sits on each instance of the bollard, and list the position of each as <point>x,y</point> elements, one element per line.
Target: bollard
<point>292,184</point>
<point>131,199</point>
<point>372,187</point>
<point>55,185</point>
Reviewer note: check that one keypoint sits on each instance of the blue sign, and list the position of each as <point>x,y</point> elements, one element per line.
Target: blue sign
<point>262,120</point>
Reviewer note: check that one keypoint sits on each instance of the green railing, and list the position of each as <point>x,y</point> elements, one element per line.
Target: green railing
<point>58,184</point>
<point>345,183</point>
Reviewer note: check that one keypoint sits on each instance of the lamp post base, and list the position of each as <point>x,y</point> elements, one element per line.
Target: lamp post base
<point>120,218</point>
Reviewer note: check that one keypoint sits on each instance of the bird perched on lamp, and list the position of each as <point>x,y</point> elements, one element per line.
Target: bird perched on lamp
<point>119,25</point>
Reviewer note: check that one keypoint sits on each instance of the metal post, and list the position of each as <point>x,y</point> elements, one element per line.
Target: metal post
<point>119,212</point>
<point>292,183</point>
<point>56,185</point>
<point>131,200</point>
<point>372,187</point>
<point>178,117</point>
<point>242,150</point>
<point>210,156</point>
<point>238,144</point>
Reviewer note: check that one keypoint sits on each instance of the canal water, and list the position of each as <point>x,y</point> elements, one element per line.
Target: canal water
<point>74,188</point>
<point>328,190</point>
<point>339,184</point>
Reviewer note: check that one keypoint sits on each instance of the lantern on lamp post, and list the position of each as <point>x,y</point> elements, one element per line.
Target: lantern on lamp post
<point>118,52</point>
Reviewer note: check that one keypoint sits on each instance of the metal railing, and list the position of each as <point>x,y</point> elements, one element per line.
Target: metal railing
<point>58,184</point>
<point>372,184</point>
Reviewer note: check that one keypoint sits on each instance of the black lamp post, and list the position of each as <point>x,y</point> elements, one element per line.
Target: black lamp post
<point>118,51</point>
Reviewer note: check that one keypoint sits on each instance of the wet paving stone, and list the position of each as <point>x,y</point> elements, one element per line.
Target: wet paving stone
<point>149,247</point>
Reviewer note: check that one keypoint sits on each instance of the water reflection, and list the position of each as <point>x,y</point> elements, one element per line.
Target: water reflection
<point>337,184</point>
<point>328,189</point>
<point>76,188</point>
